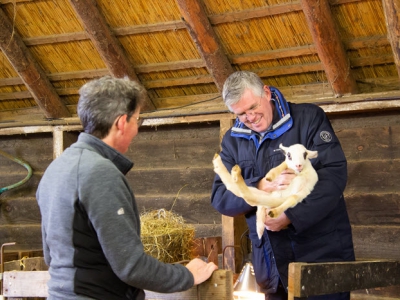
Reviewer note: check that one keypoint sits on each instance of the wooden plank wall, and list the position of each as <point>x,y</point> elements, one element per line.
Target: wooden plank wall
<point>173,170</point>
<point>371,143</point>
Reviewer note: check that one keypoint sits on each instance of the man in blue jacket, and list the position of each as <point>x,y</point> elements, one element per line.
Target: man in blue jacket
<point>315,230</point>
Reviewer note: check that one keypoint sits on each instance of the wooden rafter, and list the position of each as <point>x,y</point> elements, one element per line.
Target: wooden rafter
<point>30,71</point>
<point>392,15</point>
<point>329,46</point>
<point>207,43</point>
<point>106,43</point>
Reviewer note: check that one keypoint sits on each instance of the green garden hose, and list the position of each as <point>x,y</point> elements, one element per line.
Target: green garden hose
<point>22,163</point>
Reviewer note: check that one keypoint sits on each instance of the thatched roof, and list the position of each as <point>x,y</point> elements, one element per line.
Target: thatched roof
<point>342,54</point>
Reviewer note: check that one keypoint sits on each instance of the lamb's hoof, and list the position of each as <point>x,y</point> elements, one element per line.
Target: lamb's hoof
<point>272,213</point>
<point>268,178</point>
<point>236,169</point>
<point>235,172</point>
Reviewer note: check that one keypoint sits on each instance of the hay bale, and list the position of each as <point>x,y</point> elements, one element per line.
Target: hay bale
<point>165,236</point>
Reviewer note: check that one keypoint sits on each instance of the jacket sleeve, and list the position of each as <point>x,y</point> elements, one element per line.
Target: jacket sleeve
<point>331,166</point>
<point>223,200</point>
<point>113,212</point>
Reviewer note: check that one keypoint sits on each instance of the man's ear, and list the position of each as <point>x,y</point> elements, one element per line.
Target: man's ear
<point>121,122</point>
<point>267,91</point>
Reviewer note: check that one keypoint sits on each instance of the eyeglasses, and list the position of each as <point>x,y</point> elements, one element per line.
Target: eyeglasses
<point>243,117</point>
<point>139,121</point>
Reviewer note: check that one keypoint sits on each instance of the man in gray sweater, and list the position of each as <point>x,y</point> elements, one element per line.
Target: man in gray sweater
<point>90,220</point>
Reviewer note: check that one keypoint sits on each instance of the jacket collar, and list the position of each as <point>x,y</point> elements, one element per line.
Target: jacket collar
<point>282,120</point>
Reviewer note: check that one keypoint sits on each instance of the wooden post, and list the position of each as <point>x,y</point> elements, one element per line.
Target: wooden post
<point>232,228</point>
<point>208,247</point>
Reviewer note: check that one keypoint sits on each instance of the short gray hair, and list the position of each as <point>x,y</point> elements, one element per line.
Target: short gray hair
<point>237,83</point>
<point>102,100</point>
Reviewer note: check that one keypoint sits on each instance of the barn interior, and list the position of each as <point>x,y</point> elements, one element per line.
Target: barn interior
<point>342,55</point>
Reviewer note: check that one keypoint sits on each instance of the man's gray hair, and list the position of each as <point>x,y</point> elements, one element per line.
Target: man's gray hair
<point>237,83</point>
<point>102,100</point>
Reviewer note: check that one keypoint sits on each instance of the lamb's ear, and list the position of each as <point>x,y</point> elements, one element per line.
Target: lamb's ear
<point>283,149</point>
<point>312,154</point>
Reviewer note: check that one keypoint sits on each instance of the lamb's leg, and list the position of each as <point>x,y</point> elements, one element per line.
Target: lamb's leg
<point>289,202</point>
<point>234,182</point>
<point>223,173</point>
<point>274,172</point>
<point>260,220</point>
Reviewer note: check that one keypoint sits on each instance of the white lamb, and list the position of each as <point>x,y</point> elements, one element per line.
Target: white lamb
<point>297,159</point>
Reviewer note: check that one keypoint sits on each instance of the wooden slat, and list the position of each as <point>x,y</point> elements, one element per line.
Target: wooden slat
<point>376,242</point>
<point>193,207</point>
<point>373,209</point>
<point>25,284</point>
<point>310,279</point>
<point>26,264</point>
<point>259,12</point>
<point>369,102</point>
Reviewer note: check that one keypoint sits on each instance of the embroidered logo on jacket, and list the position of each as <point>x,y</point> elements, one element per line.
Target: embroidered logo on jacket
<point>120,211</point>
<point>325,136</point>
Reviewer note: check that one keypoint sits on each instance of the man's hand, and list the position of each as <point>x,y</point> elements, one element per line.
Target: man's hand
<point>280,183</point>
<point>276,224</point>
<point>201,270</point>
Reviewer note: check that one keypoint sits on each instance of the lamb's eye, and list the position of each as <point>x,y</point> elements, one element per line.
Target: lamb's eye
<point>289,156</point>
<point>305,155</point>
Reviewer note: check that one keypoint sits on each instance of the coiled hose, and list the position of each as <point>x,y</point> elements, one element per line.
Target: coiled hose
<point>22,163</point>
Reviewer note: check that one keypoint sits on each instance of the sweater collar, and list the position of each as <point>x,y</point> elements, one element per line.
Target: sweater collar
<point>117,158</point>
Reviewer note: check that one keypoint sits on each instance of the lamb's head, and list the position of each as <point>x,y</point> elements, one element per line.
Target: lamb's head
<point>297,156</point>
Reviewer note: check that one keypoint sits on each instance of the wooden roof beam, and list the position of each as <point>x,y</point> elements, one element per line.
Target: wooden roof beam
<point>106,43</point>
<point>30,71</point>
<point>391,9</point>
<point>207,43</point>
<point>329,46</point>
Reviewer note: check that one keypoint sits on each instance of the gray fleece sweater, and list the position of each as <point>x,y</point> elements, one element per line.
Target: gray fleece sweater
<point>91,229</point>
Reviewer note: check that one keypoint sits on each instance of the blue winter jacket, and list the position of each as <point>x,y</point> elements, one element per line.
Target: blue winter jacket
<point>320,230</point>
